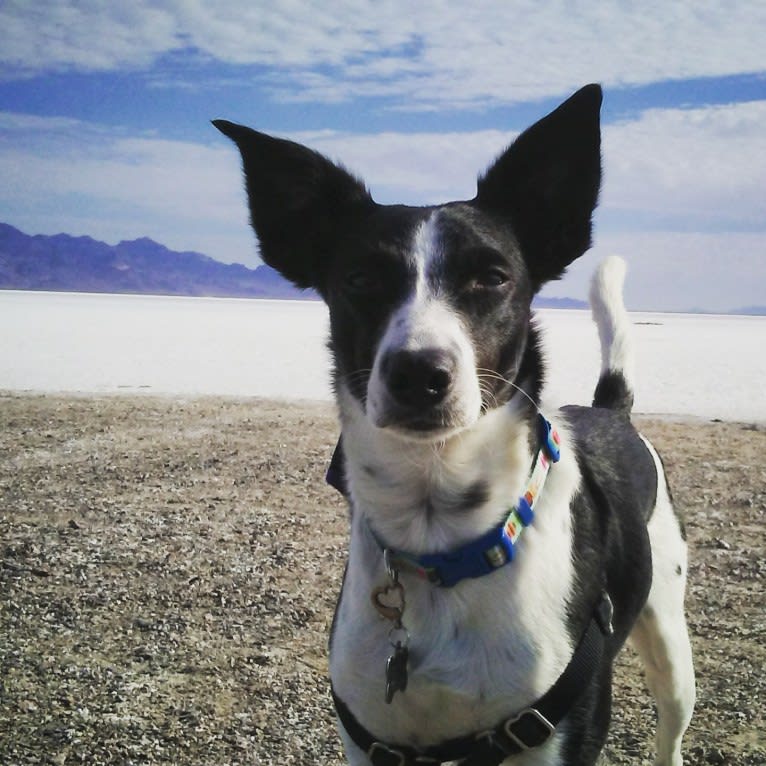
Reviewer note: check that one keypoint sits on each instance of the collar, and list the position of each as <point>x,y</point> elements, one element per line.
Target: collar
<point>491,550</point>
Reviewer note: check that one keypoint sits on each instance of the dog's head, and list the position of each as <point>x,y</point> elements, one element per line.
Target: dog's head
<point>430,307</point>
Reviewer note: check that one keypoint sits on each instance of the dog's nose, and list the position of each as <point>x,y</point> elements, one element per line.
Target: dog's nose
<point>418,378</point>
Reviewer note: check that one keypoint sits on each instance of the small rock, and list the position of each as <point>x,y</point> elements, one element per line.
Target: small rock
<point>143,653</point>
<point>142,623</point>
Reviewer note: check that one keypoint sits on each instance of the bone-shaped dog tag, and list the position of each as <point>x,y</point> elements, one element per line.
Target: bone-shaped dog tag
<point>396,671</point>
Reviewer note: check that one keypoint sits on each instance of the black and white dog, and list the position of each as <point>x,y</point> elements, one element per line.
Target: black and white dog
<point>498,559</point>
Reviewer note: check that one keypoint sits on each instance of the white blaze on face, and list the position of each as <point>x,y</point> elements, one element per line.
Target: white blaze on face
<point>425,320</point>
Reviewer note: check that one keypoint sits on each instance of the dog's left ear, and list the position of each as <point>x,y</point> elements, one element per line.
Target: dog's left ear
<point>298,202</point>
<point>546,185</point>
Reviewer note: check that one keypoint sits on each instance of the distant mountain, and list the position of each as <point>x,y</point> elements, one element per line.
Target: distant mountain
<point>742,311</point>
<point>558,303</point>
<point>82,264</point>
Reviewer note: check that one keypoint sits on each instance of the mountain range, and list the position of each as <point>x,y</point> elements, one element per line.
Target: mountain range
<point>81,264</point>
<point>62,262</point>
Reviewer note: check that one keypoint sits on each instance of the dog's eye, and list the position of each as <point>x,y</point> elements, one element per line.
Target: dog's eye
<point>361,281</point>
<point>488,279</point>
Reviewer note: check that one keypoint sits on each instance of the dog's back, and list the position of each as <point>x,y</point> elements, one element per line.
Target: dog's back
<point>618,476</point>
<point>623,468</point>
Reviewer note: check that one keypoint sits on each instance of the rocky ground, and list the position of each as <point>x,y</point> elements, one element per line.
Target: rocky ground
<point>168,570</point>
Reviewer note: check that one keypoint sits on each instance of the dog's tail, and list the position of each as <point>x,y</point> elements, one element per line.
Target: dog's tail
<point>615,385</point>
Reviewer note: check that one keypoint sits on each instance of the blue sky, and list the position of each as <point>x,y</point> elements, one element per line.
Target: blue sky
<point>105,109</point>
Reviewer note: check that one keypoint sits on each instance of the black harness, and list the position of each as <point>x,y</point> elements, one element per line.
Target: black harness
<point>530,728</point>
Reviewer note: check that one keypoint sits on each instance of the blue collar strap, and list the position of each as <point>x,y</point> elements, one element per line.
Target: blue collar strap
<point>493,549</point>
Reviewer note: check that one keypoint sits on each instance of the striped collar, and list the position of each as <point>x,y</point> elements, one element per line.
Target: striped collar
<point>493,549</point>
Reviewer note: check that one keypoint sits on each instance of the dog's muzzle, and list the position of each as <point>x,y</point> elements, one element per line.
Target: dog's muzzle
<point>418,390</point>
<point>418,379</point>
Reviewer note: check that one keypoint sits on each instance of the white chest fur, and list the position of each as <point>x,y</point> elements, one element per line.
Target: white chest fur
<point>487,647</point>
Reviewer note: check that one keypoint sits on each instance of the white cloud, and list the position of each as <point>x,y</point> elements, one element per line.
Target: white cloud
<point>708,164</point>
<point>419,54</point>
<point>667,168</point>
<point>413,168</point>
<point>84,36</point>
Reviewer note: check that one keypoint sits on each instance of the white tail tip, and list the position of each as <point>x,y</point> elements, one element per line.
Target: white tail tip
<point>611,317</point>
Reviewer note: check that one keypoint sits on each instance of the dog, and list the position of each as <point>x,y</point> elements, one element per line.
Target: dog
<point>499,558</point>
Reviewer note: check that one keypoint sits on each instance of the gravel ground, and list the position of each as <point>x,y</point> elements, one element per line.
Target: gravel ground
<point>168,570</point>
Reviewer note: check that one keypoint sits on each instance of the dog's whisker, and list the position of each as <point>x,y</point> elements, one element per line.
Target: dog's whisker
<point>483,373</point>
<point>356,375</point>
<point>488,398</point>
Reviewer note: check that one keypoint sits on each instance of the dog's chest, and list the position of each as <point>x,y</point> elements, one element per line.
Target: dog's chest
<point>477,652</point>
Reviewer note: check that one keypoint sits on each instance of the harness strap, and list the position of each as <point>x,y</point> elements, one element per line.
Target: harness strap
<point>336,475</point>
<point>530,728</point>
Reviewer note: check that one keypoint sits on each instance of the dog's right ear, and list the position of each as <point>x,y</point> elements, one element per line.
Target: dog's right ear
<point>547,182</point>
<point>298,200</point>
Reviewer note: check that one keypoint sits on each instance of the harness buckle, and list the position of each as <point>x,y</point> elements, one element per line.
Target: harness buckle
<point>532,729</point>
<point>380,750</point>
<point>605,615</point>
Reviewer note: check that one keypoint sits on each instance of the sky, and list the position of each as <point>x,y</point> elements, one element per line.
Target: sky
<point>105,113</point>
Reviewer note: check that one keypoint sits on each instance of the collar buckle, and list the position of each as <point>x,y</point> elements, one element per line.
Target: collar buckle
<point>383,755</point>
<point>548,438</point>
<point>529,729</point>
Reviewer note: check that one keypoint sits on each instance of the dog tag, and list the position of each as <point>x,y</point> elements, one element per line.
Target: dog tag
<point>396,671</point>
